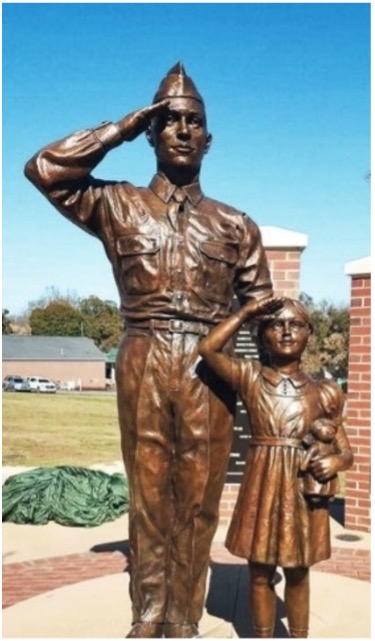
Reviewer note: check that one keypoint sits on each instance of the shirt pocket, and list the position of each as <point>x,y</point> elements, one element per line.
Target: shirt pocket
<point>219,261</point>
<point>139,258</point>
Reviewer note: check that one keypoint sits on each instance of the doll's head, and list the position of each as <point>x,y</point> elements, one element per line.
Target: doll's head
<point>324,429</point>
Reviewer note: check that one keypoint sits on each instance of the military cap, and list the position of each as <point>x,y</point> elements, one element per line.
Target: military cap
<point>177,84</point>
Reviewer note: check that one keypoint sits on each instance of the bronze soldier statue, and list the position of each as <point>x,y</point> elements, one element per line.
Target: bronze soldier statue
<point>278,520</point>
<point>178,258</point>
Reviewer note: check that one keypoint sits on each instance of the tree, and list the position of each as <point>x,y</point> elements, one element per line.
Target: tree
<point>52,294</point>
<point>58,318</point>
<point>65,316</point>
<point>101,321</point>
<point>328,348</point>
<point>6,322</point>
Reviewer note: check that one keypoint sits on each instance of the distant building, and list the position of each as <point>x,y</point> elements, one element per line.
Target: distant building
<point>74,362</point>
<point>110,366</point>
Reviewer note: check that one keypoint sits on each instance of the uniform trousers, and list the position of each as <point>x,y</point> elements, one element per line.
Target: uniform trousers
<point>176,421</point>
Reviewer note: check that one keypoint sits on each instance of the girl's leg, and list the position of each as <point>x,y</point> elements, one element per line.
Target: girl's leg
<point>297,601</point>
<point>263,599</point>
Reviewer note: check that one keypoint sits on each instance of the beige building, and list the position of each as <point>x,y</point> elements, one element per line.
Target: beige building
<point>73,362</point>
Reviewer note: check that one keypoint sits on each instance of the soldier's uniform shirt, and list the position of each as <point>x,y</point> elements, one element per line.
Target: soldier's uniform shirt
<point>161,272</point>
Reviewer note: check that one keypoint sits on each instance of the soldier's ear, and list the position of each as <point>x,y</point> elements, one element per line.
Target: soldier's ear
<point>208,143</point>
<point>150,137</point>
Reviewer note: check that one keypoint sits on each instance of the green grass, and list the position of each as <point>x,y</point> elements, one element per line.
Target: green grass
<point>60,429</point>
<point>64,429</point>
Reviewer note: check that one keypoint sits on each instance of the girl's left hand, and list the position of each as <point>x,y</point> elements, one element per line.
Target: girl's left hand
<point>326,467</point>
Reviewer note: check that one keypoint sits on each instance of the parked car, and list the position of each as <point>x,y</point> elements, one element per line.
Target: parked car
<point>13,383</point>
<point>39,384</point>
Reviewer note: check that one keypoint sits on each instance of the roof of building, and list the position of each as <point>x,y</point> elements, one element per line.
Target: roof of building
<point>112,355</point>
<point>279,237</point>
<point>50,348</point>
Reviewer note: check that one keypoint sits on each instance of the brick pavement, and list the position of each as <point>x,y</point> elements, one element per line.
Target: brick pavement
<point>27,579</point>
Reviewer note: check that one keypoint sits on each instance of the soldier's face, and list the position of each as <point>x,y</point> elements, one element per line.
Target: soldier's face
<point>179,135</point>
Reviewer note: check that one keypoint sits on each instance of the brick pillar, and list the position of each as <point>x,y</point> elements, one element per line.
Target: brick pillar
<point>357,491</point>
<point>283,248</point>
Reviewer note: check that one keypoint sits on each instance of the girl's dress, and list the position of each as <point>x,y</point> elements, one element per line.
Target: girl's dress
<point>273,523</point>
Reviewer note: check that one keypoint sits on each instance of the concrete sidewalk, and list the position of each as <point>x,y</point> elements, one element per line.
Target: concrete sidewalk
<point>92,601</point>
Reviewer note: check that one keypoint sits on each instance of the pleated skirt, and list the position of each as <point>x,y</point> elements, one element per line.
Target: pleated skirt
<point>272,522</point>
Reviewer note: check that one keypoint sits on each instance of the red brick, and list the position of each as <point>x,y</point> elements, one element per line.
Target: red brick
<point>356,302</point>
<point>363,291</point>
<point>286,264</point>
<point>360,282</point>
<point>356,386</point>
<point>360,312</point>
<point>276,254</point>
<point>361,441</point>
<point>359,404</point>
<point>278,274</point>
<point>349,485</point>
<point>358,476</point>
<point>356,341</point>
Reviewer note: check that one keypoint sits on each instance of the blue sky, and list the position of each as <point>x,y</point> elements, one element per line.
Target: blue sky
<point>287,92</point>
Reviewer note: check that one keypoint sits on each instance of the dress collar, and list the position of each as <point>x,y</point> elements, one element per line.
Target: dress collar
<point>298,379</point>
<point>164,189</point>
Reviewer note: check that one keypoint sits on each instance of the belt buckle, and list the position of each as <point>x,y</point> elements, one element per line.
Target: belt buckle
<point>176,326</point>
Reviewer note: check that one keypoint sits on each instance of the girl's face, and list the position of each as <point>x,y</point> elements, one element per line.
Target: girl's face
<point>285,337</point>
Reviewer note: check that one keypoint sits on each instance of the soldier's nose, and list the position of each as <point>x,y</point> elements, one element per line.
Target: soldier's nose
<point>183,134</point>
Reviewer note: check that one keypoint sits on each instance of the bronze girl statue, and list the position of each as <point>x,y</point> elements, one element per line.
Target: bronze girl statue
<point>277,521</point>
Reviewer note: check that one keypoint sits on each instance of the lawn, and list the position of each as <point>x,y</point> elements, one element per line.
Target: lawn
<point>60,429</point>
<point>63,429</point>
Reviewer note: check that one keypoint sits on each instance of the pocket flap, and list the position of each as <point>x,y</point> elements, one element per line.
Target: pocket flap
<point>220,251</point>
<point>137,244</point>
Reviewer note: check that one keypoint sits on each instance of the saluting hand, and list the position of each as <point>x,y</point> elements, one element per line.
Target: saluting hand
<point>263,306</point>
<point>137,122</point>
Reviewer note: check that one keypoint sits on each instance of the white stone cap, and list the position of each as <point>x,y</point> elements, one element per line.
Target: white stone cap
<point>279,237</point>
<point>359,267</point>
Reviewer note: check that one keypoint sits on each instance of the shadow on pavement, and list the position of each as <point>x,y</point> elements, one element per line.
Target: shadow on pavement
<point>113,546</point>
<point>228,599</point>
<point>227,596</point>
<point>337,510</point>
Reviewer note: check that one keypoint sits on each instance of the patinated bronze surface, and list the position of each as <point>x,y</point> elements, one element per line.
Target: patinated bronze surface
<point>278,519</point>
<point>319,442</point>
<point>178,258</point>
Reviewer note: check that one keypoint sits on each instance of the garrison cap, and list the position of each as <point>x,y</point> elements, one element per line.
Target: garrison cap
<point>177,84</point>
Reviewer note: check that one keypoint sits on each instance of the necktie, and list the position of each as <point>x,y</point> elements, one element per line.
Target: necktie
<point>176,206</point>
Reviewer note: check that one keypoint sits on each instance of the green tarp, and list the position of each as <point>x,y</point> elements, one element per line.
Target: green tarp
<point>67,495</point>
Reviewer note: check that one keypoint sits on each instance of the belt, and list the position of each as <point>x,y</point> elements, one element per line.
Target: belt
<point>279,441</point>
<point>173,325</point>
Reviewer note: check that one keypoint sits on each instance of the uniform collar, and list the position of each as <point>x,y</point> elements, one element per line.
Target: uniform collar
<point>298,379</point>
<point>164,189</point>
